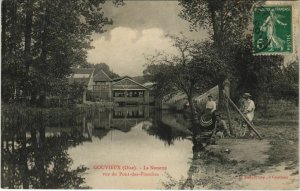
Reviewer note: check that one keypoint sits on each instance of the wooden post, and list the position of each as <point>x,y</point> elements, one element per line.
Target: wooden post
<point>245,119</point>
<point>226,92</point>
<point>84,96</point>
<point>110,93</point>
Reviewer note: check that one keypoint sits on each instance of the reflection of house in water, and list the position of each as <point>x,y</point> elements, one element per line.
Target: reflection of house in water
<point>124,118</point>
<point>120,118</point>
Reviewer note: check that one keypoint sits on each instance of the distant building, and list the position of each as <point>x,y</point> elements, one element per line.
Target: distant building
<point>83,76</point>
<point>100,86</point>
<point>126,90</point>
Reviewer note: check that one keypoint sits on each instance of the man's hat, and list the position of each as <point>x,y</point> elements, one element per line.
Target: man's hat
<point>209,96</point>
<point>247,95</point>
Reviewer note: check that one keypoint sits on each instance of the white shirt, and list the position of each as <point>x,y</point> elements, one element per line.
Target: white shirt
<point>211,105</point>
<point>249,109</point>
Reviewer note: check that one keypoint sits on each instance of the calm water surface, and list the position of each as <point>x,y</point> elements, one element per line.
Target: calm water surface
<point>134,138</point>
<point>134,148</point>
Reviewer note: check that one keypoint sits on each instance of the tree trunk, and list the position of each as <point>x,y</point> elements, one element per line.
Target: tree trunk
<point>23,161</point>
<point>43,58</point>
<point>192,107</point>
<point>215,28</point>
<point>27,34</point>
<point>3,34</point>
<point>27,44</point>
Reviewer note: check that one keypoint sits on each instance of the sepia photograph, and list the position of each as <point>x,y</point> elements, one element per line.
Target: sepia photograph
<point>150,94</point>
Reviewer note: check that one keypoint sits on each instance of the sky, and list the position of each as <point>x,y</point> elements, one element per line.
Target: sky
<point>139,30</point>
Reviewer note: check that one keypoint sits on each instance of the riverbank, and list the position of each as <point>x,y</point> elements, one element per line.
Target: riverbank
<point>98,104</point>
<point>250,163</point>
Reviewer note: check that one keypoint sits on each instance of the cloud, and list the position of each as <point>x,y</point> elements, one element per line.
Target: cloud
<point>125,48</point>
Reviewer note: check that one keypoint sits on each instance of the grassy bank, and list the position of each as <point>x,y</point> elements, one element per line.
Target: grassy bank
<point>230,163</point>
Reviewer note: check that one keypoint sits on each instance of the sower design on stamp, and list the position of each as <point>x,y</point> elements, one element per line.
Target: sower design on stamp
<point>273,30</point>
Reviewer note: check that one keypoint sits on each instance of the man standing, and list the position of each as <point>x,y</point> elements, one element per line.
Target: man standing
<point>249,107</point>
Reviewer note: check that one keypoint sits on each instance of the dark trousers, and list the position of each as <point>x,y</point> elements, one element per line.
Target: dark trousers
<point>213,117</point>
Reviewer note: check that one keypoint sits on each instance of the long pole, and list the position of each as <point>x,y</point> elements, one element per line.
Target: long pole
<point>226,92</point>
<point>245,119</point>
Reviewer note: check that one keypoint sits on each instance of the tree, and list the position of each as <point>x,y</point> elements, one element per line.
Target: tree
<point>43,39</point>
<point>196,68</point>
<point>226,22</point>
<point>286,84</point>
<point>255,74</point>
<point>102,66</point>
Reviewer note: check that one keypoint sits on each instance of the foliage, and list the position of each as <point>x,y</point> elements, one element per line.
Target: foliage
<point>226,20</point>
<point>42,39</point>
<point>264,76</point>
<point>197,67</point>
<point>103,66</point>
<point>228,23</point>
<point>254,74</point>
<point>286,84</point>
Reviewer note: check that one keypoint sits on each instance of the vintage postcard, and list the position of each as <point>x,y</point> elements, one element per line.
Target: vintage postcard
<point>150,94</point>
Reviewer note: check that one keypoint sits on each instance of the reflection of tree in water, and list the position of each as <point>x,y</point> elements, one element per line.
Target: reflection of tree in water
<point>164,132</point>
<point>29,159</point>
<point>197,166</point>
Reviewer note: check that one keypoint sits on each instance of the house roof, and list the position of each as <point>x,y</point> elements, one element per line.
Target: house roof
<point>102,77</point>
<point>81,75</point>
<point>120,78</point>
<point>127,83</point>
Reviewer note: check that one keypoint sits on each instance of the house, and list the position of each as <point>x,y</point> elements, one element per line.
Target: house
<point>83,76</point>
<point>102,85</point>
<point>122,90</point>
<point>126,90</point>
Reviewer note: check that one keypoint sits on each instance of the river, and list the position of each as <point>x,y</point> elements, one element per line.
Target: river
<point>134,147</point>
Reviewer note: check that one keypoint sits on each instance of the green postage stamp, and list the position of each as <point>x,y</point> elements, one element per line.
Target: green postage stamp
<point>272,33</point>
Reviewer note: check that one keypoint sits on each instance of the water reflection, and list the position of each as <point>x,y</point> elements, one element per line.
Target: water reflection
<point>164,125</point>
<point>168,127</point>
<point>58,149</point>
<point>37,160</point>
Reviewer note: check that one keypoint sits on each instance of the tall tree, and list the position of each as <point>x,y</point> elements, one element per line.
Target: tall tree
<point>226,22</point>
<point>43,39</point>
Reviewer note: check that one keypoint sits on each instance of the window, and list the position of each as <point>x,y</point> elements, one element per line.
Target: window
<point>141,93</point>
<point>100,87</point>
<point>119,94</point>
